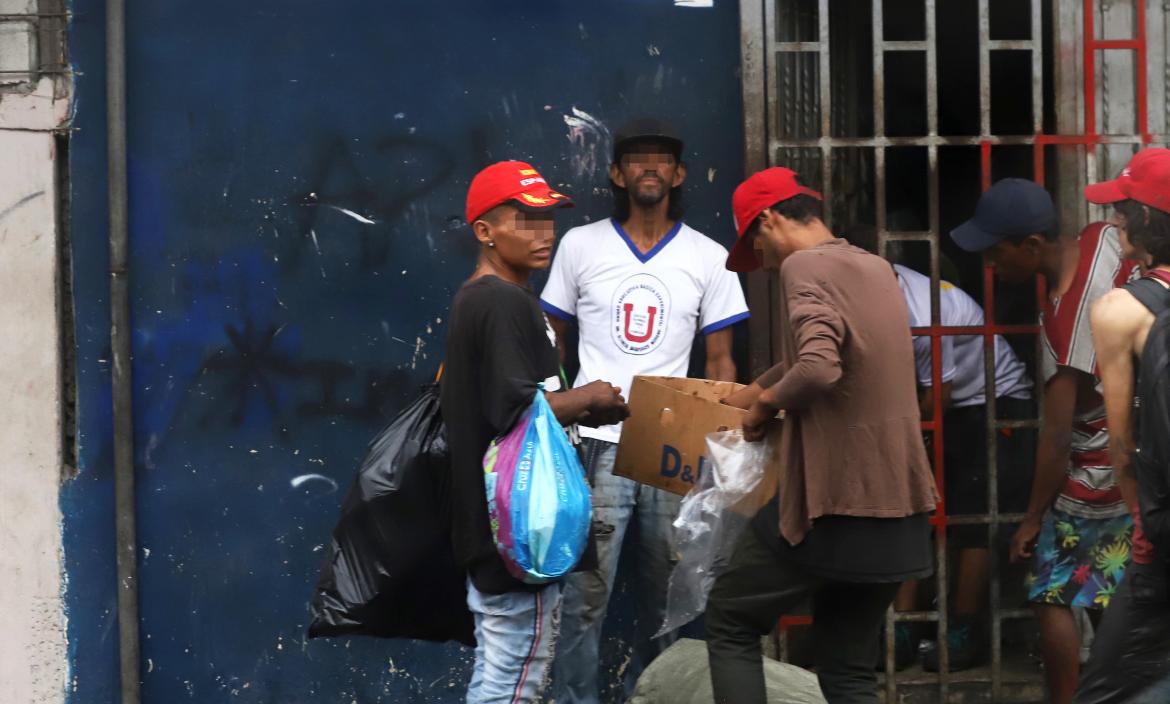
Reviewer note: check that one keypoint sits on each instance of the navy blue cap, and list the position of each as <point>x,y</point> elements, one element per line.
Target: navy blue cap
<point>1013,207</point>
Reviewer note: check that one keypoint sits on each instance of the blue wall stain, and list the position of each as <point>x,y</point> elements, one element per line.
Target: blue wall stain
<point>297,175</point>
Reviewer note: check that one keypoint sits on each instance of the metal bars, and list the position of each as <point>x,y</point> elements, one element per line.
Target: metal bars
<point>783,114</point>
<point>965,141</point>
<point>826,104</point>
<point>46,37</point>
<point>756,69</point>
<point>789,141</point>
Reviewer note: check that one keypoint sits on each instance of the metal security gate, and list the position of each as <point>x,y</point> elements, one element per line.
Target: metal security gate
<point>808,66</point>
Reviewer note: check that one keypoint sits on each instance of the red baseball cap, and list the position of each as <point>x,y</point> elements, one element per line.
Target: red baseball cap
<point>1146,179</point>
<point>513,181</point>
<point>762,190</point>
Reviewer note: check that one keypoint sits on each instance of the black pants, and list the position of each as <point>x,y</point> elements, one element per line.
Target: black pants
<point>965,462</point>
<point>1130,661</point>
<point>758,587</point>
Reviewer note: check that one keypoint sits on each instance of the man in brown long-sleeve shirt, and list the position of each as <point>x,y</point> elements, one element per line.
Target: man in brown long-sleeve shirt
<point>851,519</point>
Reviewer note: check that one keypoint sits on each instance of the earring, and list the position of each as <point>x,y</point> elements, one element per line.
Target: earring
<point>491,244</point>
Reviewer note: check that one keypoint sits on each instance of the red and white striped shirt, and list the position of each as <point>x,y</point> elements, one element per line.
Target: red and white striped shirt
<point>1090,489</point>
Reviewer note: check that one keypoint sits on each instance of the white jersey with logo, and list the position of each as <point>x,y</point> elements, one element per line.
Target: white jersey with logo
<point>962,355</point>
<point>637,314</point>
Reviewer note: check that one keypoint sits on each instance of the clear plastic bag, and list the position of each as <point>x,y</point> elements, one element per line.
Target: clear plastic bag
<point>707,527</point>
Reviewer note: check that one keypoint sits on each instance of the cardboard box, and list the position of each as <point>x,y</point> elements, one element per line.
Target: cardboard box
<point>664,441</point>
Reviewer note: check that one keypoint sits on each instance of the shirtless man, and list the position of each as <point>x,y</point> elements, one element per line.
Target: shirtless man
<point>1131,652</point>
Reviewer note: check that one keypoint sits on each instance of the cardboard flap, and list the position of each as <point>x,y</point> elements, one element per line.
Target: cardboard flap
<point>704,389</point>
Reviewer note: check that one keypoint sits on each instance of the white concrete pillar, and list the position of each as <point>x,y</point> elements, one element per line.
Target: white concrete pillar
<point>33,653</point>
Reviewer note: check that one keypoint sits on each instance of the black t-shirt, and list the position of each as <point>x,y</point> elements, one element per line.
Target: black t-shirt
<point>499,347</point>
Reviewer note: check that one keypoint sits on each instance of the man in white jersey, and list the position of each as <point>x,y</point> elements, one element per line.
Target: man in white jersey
<point>639,286</point>
<point>965,451</point>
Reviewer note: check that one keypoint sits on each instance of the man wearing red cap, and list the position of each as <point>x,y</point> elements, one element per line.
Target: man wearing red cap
<point>639,286</point>
<point>851,520</point>
<point>1131,648</point>
<point>499,348</point>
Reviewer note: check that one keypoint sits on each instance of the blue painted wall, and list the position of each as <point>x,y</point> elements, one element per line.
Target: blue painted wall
<point>274,332</point>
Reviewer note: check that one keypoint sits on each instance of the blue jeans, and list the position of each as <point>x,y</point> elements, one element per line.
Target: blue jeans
<point>616,501</point>
<point>515,636</point>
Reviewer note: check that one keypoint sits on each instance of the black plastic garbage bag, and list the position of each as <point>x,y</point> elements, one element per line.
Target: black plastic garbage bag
<point>392,572</point>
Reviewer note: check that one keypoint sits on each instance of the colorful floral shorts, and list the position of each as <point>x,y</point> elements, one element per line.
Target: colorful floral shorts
<point>1079,561</point>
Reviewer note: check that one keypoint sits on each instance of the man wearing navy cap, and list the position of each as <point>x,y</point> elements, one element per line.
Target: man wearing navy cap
<point>1077,531</point>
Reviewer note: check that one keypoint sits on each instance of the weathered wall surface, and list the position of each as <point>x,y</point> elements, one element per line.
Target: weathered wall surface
<point>32,649</point>
<point>297,174</point>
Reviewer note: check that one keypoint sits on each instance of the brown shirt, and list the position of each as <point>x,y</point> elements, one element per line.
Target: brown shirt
<point>851,443</point>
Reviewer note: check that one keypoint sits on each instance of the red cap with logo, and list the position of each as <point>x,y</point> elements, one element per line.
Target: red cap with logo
<point>762,190</point>
<point>1146,179</point>
<point>515,182</point>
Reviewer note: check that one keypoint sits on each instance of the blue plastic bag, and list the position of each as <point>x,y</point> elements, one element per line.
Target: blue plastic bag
<point>538,500</point>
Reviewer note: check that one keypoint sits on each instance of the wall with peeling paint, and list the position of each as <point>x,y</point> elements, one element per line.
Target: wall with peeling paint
<point>297,174</point>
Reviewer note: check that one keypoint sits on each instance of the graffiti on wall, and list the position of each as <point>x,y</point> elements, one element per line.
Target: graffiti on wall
<point>294,252</point>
